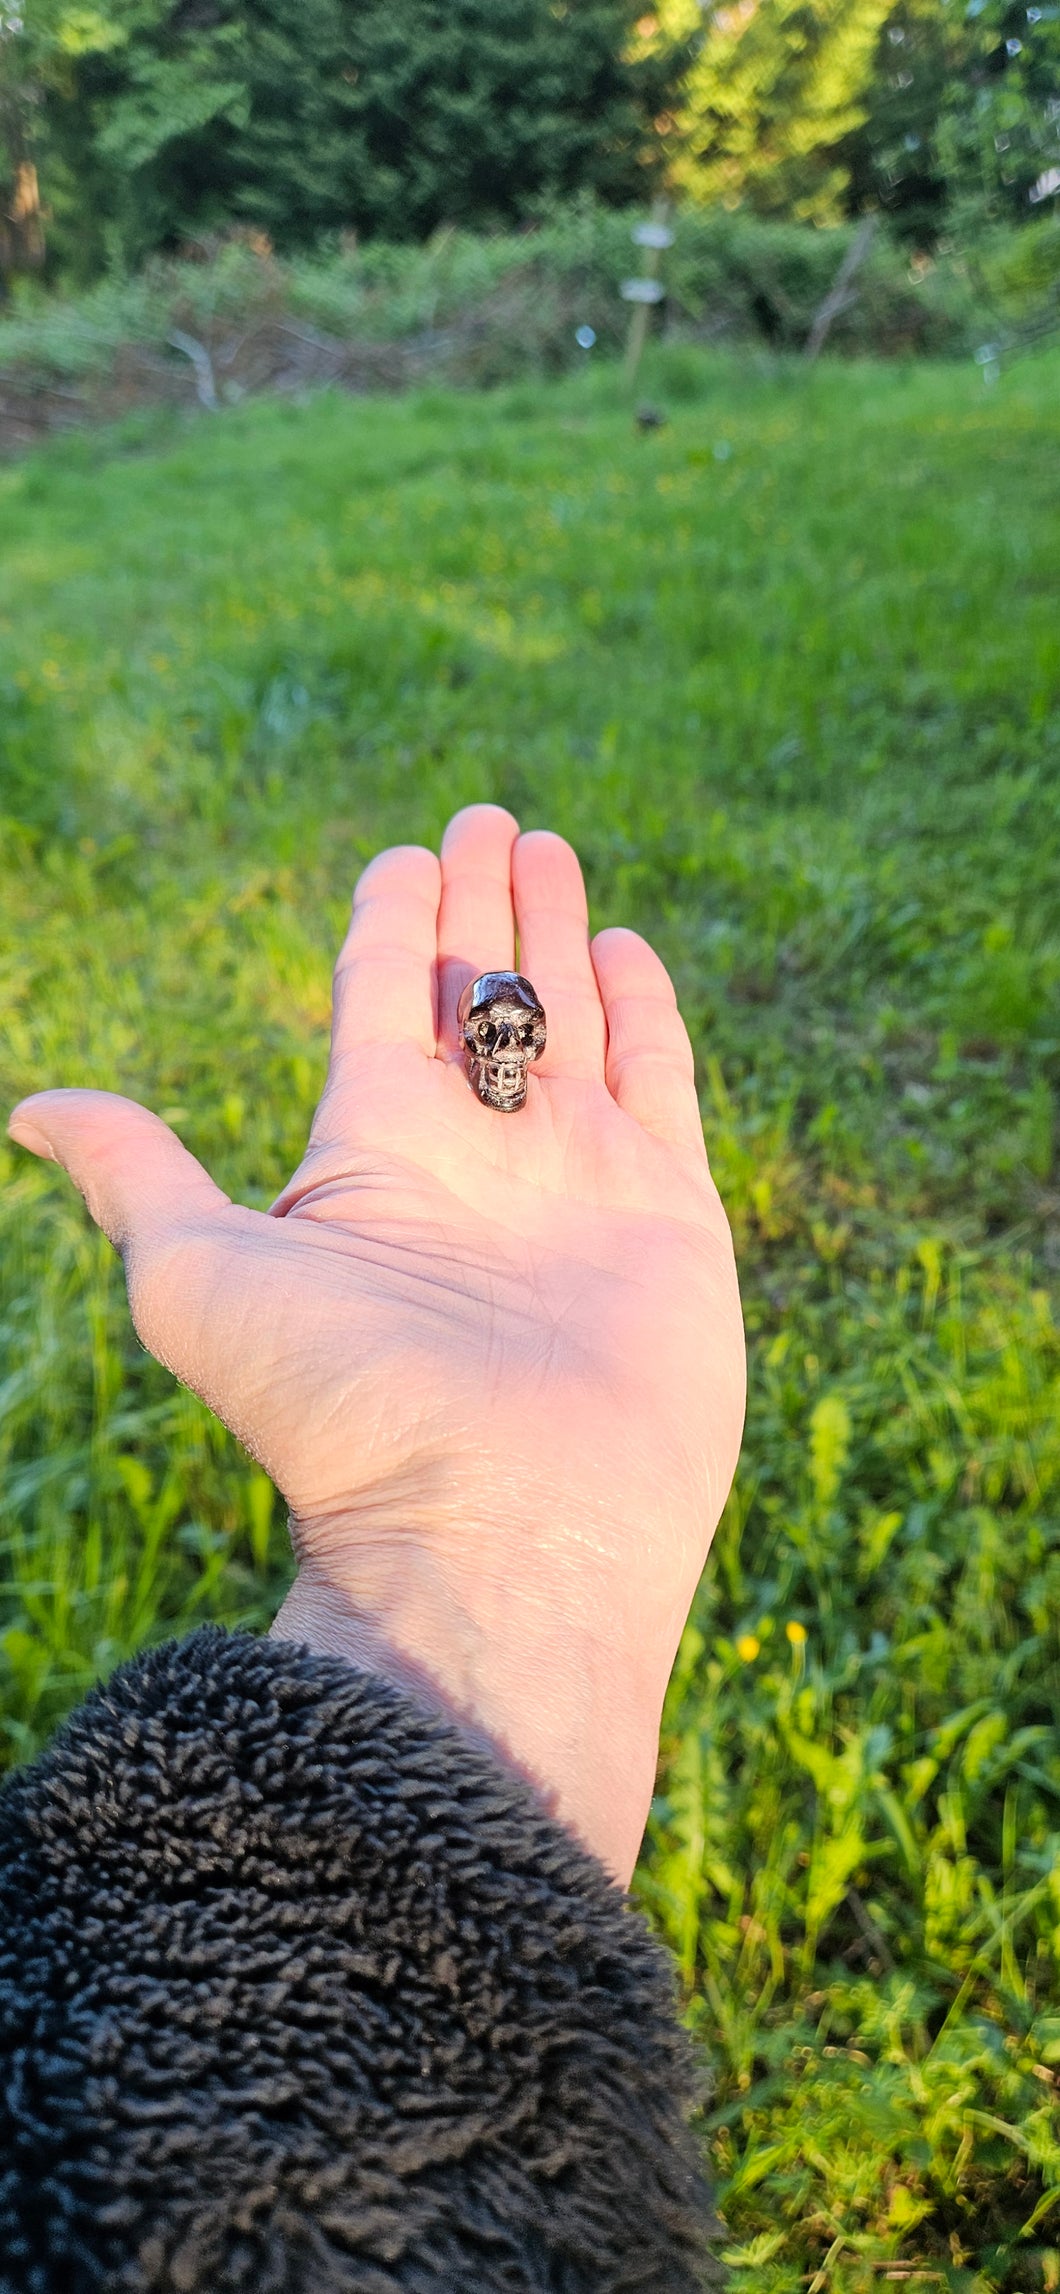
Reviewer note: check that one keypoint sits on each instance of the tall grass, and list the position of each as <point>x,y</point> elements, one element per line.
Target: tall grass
<point>787,673</point>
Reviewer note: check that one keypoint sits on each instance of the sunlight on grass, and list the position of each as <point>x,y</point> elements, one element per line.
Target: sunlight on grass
<point>786,672</point>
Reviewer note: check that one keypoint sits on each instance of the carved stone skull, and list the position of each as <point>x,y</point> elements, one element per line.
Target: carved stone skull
<point>503,1029</point>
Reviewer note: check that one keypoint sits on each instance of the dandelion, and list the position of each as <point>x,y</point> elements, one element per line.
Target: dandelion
<point>796,1633</point>
<point>747,1647</point>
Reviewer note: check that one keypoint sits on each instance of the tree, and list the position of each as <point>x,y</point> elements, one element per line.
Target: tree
<point>465,109</point>
<point>892,156</point>
<point>963,115</point>
<point>303,116</point>
<point>21,226</point>
<point>773,87</point>
<point>998,134</point>
<point>925,109</point>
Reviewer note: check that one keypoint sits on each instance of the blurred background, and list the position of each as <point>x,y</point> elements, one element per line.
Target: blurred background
<point>650,422</point>
<point>442,189</point>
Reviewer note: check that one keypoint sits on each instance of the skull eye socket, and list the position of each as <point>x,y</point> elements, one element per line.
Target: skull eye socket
<point>512,1035</point>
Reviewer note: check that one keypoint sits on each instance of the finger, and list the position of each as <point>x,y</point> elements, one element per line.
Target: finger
<point>553,924</point>
<point>650,1070</point>
<point>136,1177</point>
<point>152,1198</point>
<point>476,928</point>
<point>384,978</point>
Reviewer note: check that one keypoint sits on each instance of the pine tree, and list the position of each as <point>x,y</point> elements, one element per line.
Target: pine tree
<point>304,116</point>
<point>466,110</point>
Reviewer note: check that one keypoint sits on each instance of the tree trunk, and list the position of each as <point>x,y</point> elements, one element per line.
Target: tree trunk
<point>842,292</point>
<point>22,241</point>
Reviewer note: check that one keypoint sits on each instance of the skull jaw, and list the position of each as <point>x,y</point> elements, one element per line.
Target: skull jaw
<point>500,1083</point>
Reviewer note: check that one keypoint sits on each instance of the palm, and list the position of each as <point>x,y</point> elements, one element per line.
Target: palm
<point>529,1270</point>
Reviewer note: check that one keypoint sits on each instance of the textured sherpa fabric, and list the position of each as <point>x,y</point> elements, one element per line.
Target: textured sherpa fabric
<point>301,1991</point>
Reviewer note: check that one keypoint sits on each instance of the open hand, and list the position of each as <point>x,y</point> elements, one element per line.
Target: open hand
<point>494,1362</point>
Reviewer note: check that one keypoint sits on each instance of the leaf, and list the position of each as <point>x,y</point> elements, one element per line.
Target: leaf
<point>829,1445</point>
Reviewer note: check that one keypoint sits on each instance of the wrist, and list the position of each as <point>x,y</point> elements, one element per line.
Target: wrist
<point>515,1671</point>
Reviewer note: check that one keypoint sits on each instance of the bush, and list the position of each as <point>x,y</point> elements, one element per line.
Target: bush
<point>469,308</point>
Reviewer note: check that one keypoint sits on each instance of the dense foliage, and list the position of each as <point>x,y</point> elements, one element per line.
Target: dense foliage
<point>133,125</point>
<point>474,309</point>
<point>962,116</point>
<point>155,121</point>
<point>485,308</point>
<point>929,110</point>
<point>769,95</point>
<point>787,672</point>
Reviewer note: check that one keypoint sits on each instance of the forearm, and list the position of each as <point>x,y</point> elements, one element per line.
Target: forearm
<point>299,1987</point>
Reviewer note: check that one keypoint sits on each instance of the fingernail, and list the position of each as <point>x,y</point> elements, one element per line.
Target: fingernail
<point>25,1134</point>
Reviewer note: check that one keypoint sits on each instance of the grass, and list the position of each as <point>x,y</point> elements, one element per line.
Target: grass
<point>786,672</point>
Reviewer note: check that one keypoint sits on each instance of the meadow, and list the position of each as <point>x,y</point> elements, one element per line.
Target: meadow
<point>786,672</point>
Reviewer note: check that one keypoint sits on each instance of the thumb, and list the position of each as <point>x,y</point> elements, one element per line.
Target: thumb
<point>155,1202</point>
<point>136,1178</point>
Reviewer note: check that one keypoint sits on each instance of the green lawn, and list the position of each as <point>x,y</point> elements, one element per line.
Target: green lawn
<point>786,672</point>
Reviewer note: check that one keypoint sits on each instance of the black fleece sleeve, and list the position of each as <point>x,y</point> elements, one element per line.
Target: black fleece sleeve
<point>300,1990</point>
